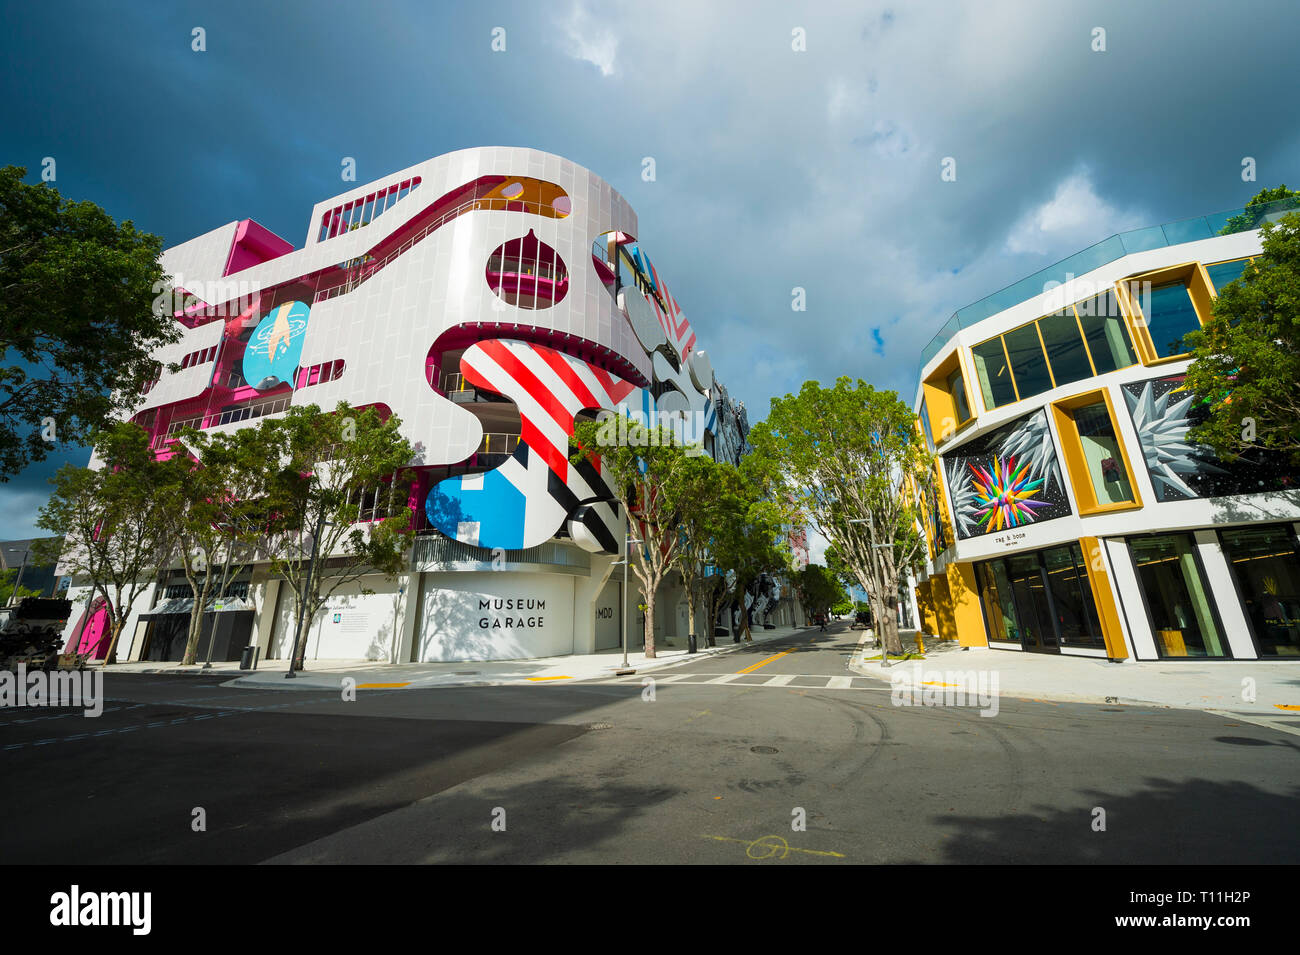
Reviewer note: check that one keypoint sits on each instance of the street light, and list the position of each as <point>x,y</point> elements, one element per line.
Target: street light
<point>627,559</point>
<point>13,597</point>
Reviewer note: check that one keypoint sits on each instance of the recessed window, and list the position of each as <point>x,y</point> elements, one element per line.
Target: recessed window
<point>1221,273</point>
<point>1094,455</point>
<point>957,388</point>
<point>1172,316</point>
<point>1101,453</point>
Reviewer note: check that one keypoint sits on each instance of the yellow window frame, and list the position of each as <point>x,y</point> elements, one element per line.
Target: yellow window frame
<point>1075,463</point>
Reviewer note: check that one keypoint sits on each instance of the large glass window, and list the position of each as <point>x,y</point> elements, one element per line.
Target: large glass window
<point>1065,350</point>
<point>1221,273</point>
<point>1172,316</point>
<point>1026,354</point>
<point>1177,597</point>
<point>1076,614</point>
<point>957,388</point>
<point>1101,454</point>
<point>1266,562</point>
<point>994,373</point>
<point>999,608</point>
<point>1041,600</point>
<point>1103,327</point>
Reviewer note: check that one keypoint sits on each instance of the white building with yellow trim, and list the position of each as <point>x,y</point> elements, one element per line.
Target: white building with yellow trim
<point>1072,516</point>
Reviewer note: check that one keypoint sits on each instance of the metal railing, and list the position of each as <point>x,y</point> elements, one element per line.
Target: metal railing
<point>496,442</point>
<point>360,273</point>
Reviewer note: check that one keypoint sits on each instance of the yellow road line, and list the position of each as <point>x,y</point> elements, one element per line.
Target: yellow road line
<point>380,686</point>
<point>1286,706</point>
<point>763,663</point>
<point>538,679</point>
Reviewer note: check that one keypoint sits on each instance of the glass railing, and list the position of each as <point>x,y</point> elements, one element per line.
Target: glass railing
<point>1104,252</point>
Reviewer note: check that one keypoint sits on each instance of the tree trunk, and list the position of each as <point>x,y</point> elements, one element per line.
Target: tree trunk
<point>690,625</point>
<point>649,627</point>
<point>115,628</point>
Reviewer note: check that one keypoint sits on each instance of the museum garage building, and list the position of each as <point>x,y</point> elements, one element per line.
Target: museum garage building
<point>1072,515</point>
<point>488,298</point>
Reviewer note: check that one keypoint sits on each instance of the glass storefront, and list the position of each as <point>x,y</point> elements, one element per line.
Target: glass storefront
<point>1178,600</point>
<point>1266,563</point>
<point>1041,600</point>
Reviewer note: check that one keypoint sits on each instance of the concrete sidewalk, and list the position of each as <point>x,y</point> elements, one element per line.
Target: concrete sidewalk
<point>571,668</point>
<point>1204,685</point>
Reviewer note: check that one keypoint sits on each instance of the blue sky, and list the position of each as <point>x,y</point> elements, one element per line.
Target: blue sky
<point>775,168</point>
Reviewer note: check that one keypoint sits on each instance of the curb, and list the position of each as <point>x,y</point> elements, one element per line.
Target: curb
<point>606,673</point>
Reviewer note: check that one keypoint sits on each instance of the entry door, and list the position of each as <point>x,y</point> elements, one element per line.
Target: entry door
<point>1033,607</point>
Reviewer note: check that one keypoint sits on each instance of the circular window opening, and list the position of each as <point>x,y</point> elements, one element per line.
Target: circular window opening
<point>513,191</point>
<point>527,273</point>
<point>562,205</point>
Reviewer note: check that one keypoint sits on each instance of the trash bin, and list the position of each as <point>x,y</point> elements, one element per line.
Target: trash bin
<point>248,659</point>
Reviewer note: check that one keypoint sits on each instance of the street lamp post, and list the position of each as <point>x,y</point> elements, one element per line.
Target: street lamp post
<point>629,540</point>
<point>13,597</point>
<point>295,659</point>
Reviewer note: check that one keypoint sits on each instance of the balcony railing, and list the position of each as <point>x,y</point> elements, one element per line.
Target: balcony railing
<point>1103,253</point>
<point>356,274</point>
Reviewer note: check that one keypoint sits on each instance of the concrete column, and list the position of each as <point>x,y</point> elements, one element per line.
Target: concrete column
<point>264,619</point>
<point>586,591</point>
<point>412,606</point>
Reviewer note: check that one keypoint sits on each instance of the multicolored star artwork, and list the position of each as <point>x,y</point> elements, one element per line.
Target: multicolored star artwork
<point>1004,495</point>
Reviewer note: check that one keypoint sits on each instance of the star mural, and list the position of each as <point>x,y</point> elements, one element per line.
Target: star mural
<point>1004,494</point>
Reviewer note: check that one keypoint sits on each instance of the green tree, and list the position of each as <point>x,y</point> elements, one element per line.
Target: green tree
<point>699,496</point>
<point>339,498</point>
<point>851,458</point>
<point>643,466</point>
<point>1261,204</point>
<point>819,590</point>
<point>77,322</point>
<point>750,538</point>
<point>112,521</point>
<point>1246,359</point>
<point>217,509</point>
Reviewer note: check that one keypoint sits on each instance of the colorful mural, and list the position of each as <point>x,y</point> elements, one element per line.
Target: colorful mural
<point>272,355</point>
<point>1163,412</point>
<point>526,500</point>
<point>1005,479</point>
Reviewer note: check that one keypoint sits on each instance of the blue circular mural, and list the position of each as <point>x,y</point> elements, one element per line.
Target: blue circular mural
<point>271,357</point>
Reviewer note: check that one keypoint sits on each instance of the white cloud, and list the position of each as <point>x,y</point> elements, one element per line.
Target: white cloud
<point>591,40</point>
<point>1074,216</point>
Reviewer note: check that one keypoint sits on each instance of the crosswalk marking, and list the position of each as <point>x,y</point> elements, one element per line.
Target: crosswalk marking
<point>777,680</point>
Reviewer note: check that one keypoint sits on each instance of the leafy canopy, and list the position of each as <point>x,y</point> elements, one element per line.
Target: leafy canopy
<point>77,324</point>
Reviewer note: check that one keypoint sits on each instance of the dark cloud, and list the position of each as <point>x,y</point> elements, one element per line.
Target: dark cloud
<point>775,168</point>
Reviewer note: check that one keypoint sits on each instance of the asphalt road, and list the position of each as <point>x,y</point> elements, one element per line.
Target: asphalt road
<point>721,763</point>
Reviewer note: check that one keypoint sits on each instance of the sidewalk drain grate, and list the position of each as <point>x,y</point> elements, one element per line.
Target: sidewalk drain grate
<point>466,673</point>
<point>600,726</point>
<point>764,750</point>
